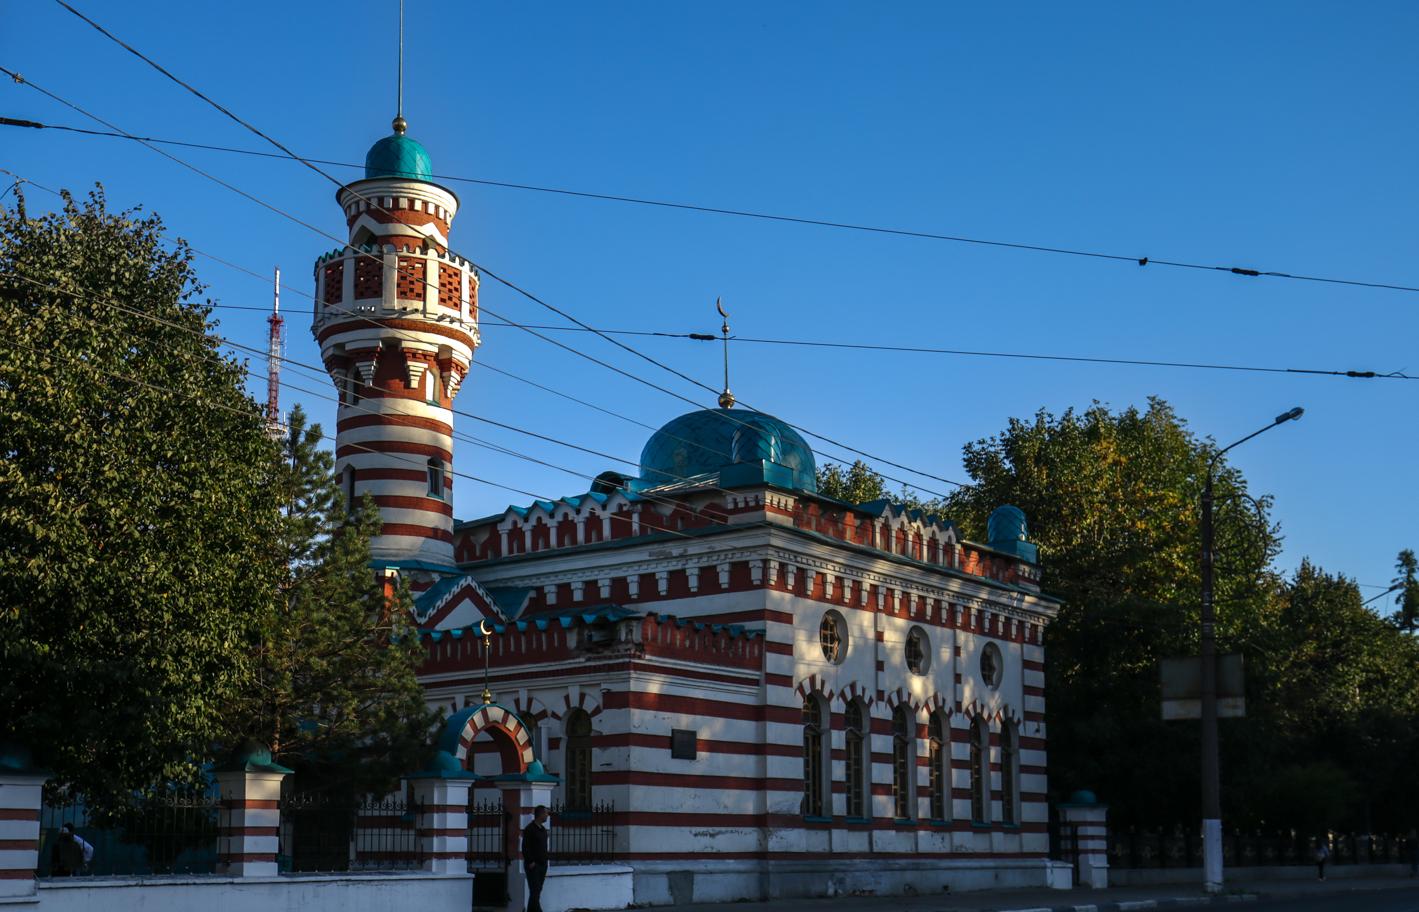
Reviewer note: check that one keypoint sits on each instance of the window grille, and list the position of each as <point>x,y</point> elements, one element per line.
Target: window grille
<point>436,478</point>
<point>854,743</point>
<point>812,758</point>
<point>831,636</point>
<point>903,757</point>
<point>578,761</point>
<point>1009,771</point>
<point>980,772</point>
<point>917,653</point>
<point>940,771</point>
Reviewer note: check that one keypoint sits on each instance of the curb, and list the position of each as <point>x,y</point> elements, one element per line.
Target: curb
<point>1136,905</point>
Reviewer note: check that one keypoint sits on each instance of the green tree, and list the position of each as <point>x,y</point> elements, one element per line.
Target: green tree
<point>1113,503</point>
<point>1407,585</point>
<point>335,693</point>
<point>137,503</point>
<point>859,483</point>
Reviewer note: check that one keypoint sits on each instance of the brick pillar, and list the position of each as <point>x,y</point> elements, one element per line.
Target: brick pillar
<point>1091,837</point>
<point>21,788</point>
<point>521,793</point>
<point>441,823</point>
<point>249,815</point>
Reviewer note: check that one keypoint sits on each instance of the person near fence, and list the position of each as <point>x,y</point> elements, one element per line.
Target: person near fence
<point>71,854</point>
<point>534,857</point>
<point>1322,856</point>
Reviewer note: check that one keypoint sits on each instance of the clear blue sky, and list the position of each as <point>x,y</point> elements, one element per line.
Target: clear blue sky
<point>1276,135</point>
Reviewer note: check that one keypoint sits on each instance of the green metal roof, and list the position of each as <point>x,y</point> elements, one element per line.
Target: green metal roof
<point>742,447</point>
<point>398,155</point>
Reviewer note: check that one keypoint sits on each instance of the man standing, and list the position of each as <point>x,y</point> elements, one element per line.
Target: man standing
<point>534,857</point>
<point>71,854</point>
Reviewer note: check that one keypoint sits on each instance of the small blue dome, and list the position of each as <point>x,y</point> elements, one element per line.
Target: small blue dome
<point>1006,524</point>
<point>399,156</point>
<point>730,443</point>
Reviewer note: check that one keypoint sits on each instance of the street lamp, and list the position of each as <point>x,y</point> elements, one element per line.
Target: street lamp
<point>1211,777</point>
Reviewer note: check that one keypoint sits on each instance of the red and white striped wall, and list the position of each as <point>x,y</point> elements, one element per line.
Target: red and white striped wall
<point>397,323</point>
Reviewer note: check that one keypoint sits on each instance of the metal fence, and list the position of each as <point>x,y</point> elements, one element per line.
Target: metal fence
<point>1181,848</point>
<point>329,833</point>
<point>173,832</point>
<point>582,836</point>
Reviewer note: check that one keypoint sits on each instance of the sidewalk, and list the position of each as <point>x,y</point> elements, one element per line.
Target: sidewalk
<point>1115,899</point>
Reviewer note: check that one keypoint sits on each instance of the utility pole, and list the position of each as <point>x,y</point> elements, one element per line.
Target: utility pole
<point>1211,772</point>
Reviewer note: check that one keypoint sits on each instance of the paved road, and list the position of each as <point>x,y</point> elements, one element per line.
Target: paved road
<point>1391,900</point>
<point>1334,895</point>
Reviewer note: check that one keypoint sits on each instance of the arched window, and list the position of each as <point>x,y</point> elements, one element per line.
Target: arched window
<point>436,478</point>
<point>903,762</point>
<point>940,759</point>
<point>855,745</point>
<point>980,771</point>
<point>1009,774</point>
<point>577,751</point>
<point>812,757</point>
<point>350,488</point>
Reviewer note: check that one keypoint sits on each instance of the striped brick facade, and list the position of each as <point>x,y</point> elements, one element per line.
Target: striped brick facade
<point>720,636</point>
<point>397,322</point>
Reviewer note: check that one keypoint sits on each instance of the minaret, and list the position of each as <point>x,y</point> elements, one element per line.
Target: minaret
<point>397,323</point>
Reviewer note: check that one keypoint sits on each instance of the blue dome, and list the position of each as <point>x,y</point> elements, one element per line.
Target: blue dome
<point>742,447</point>
<point>398,156</point>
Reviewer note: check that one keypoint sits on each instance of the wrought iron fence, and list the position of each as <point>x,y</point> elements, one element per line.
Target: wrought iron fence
<point>171,832</point>
<point>1182,848</point>
<point>582,836</point>
<point>1064,844</point>
<point>487,835</point>
<point>326,833</point>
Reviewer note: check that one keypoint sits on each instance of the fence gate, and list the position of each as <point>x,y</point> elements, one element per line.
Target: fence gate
<point>488,851</point>
<point>1064,844</point>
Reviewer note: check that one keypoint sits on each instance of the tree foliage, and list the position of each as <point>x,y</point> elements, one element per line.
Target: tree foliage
<point>1406,585</point>
<point>1113,502</point>
<point>137,507</point>
<point>334,692</point>
<point>173,581</point>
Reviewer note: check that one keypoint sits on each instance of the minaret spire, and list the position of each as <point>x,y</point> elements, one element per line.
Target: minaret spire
<point>726,398</point>
<point>400,124</point>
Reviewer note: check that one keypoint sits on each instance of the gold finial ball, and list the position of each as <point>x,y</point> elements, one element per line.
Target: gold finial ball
<point>400,125</point>
<point>726,399</point>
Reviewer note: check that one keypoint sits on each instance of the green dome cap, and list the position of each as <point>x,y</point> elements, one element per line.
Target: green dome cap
<point>398,156</point>
<point>730,443</point>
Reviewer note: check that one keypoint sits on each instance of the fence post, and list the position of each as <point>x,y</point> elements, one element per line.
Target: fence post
<point>249,815</point>
<point>1091,837</point>
<point>522,793</point>
<point>21,795</point>
<point>441,818</point>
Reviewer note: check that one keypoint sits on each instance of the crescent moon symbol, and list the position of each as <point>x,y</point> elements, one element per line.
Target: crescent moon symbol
<point>720,307</point>
<point>484,629</point>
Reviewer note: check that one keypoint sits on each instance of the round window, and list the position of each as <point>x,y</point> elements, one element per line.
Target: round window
<point>832,635</point>
<point>918,651</point>
<point>992,665</point>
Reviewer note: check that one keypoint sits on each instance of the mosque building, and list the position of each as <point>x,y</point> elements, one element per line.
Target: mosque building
<point>781,693</point>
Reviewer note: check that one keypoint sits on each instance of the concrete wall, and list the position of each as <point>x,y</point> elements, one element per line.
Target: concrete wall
<point>330,893</point>
<point>710,880</point>
<point>587,887</point>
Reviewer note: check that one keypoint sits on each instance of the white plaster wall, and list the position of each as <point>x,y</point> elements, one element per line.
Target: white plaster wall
<point>347,893</point>
<point>588,887</point>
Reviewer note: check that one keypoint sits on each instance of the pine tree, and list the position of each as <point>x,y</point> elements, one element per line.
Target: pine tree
<point>337,698</point>
<point>1406,584</point>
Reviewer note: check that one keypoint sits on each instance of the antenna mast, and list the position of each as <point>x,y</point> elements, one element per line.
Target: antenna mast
<point>273,363</point>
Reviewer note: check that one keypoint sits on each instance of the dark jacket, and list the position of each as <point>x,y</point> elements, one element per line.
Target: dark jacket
<point>534,843</point>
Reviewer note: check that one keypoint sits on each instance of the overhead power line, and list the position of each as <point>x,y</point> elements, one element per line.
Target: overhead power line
<point>759,215</point>
<point>344,244</point>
